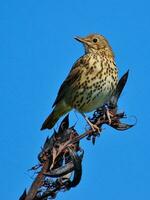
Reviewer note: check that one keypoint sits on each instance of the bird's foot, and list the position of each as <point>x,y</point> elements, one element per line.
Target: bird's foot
<point>94,127</point>
<point>108,113</point>
<point>96,132</point>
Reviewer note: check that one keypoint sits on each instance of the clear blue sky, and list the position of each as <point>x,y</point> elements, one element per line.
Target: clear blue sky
<point>37,50</point>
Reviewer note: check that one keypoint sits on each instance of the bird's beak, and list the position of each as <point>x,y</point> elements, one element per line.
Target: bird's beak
<point>81,39</point>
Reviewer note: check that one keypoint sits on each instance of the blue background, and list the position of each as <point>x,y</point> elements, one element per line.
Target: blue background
<point>37,50</point>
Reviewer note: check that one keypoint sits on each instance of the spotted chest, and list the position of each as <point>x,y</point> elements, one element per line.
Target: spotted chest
<point>96,85</point>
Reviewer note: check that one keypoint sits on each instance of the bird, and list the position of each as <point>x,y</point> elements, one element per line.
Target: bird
<point>90,83</point>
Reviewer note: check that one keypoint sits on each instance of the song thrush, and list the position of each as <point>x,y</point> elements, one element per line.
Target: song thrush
<point>90,83</point>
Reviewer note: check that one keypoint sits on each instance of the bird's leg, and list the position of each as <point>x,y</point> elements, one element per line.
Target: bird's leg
<point>94,127</point>
<point>108,113</point>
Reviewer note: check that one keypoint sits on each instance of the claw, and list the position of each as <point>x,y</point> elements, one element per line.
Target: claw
<point>94,127</point>
<point>108,113</point>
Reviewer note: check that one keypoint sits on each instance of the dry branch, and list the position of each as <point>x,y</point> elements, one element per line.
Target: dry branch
<point>60,161</point>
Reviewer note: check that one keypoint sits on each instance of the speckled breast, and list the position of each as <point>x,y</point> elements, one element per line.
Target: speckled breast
<point>98,82</point>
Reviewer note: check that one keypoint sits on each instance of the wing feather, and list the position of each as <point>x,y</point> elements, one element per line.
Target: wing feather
<point>70,80</point>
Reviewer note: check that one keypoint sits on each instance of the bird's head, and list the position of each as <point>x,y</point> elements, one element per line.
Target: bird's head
<point>95,43</point>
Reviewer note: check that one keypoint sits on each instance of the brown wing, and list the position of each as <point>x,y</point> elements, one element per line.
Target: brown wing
<point>71,78</point>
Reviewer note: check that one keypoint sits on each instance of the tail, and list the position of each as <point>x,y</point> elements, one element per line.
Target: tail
<point>59,110</point>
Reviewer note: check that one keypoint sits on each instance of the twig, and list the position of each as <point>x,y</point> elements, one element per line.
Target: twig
<point>60,153</point>
<point>39,180</point>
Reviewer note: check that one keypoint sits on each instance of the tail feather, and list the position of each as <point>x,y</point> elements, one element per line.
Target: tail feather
<point>60,109</point>
<point>50,121</point>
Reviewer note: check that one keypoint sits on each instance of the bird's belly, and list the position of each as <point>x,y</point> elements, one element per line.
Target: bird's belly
<point>97,100</point>
<point>91,99</point>
<point>93,92</point>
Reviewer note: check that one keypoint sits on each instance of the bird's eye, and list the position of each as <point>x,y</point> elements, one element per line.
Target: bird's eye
<point>94,40</point>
